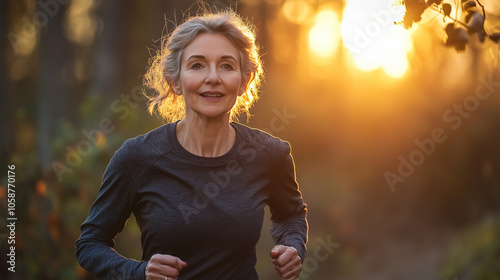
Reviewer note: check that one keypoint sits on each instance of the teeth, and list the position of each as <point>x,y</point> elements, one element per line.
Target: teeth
<point>212,95</point>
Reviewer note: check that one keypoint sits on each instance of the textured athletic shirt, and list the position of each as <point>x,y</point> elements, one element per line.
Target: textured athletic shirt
<point>208,211</point>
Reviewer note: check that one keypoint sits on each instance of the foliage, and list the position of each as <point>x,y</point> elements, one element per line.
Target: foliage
<point>475,253</point>
<point>50,209</point>
<point>469,22</point>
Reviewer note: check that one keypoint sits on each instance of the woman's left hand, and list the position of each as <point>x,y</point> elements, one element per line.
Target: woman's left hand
<point>286,261</point>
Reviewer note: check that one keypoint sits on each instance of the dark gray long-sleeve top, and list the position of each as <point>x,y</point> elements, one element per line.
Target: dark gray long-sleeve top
<point>206,211</point>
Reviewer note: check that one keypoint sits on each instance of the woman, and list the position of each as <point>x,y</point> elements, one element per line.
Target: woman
<point>198,185</point>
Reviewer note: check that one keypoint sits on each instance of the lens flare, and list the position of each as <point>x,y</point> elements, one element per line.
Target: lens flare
<point>324,36</point>
<point>296,11</point>
<point>373,40</point>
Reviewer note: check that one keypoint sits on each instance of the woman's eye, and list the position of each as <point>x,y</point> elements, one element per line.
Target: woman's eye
<point>196,66</point>
<point>227,66</point>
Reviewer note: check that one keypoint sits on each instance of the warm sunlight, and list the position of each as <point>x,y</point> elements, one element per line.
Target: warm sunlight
<point>373,40</point>
<point>296,11</point>
<point>80,26</point>
<point>324,36</point>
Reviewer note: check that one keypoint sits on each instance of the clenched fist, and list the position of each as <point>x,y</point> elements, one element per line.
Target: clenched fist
<point>162,266</point>
<point>286,261</point>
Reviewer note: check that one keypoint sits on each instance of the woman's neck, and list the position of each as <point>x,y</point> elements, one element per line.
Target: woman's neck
<point>206,137</point>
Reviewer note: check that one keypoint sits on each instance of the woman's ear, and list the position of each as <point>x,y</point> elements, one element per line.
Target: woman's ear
<point>177,88</point>
<point>244,85</point>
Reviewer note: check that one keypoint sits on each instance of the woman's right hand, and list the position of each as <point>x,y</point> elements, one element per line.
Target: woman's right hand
<point>162,266</point>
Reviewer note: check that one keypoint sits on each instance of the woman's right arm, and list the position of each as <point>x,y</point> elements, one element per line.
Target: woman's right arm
<point>107,217</point>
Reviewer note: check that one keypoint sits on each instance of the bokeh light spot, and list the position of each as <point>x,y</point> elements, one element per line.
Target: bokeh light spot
<point>80,24</point>
<point>373,40</point>
<point>324,36</point>
<point>296,11</point>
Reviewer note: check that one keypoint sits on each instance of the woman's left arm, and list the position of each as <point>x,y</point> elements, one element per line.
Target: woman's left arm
<point>289,216</point>
<point>107,217</point>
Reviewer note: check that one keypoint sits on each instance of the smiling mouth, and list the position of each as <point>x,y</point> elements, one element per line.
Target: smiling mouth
<point>211,95</point>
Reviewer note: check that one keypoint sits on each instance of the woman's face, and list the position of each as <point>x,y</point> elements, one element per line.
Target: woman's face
<point>210,76</point>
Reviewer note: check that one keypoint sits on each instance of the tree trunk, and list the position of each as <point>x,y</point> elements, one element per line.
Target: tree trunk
<point>55,96</point>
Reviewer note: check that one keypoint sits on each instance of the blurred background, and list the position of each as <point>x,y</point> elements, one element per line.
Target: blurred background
<point>395,137</point>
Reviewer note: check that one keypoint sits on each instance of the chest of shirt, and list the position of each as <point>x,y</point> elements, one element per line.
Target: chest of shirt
<point>223,204</point>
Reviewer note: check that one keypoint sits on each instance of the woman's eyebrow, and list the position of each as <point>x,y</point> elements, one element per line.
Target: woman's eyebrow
<point>199,56</point>
<point>229,57</point>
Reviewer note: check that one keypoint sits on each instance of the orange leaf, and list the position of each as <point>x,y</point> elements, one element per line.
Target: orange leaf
<point>41,187</point>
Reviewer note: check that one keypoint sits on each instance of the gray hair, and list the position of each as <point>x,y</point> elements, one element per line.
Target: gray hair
<point>168,61</point>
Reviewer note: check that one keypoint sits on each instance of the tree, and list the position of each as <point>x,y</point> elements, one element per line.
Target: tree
<point>469,22</point>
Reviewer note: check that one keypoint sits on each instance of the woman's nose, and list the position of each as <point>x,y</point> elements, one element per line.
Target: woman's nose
<point>213,77</point>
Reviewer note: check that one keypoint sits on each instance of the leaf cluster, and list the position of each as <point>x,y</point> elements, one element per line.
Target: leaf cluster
<point>460,30</point>
<point>475,252</point>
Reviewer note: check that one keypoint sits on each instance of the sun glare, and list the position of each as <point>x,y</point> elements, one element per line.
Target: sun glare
<point>296,11</point>
<point>372,38</point>
<point>324,36</point>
